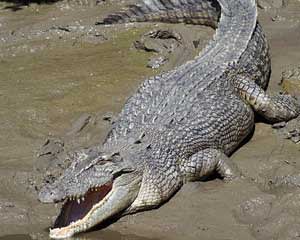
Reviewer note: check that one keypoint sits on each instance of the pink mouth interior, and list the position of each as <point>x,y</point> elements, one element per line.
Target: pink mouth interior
<point>73,211</point>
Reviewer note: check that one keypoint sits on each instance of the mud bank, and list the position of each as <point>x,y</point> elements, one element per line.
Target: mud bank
<point>62,78</point>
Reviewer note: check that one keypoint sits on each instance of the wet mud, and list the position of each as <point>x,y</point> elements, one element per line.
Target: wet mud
<point>63,80</point>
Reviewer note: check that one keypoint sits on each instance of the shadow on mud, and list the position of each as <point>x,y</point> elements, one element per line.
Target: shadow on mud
<point>16,5</point>
<point>16,237</point>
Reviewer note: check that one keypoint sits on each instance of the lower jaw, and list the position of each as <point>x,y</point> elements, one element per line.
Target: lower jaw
<point>68,231</point>
<point>60,233</point>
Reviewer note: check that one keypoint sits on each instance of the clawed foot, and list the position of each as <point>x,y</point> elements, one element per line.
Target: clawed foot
<point>228,170</point>
<point>285,108</point>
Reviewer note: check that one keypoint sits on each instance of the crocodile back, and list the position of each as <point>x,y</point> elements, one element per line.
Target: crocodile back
<point>194,106</point>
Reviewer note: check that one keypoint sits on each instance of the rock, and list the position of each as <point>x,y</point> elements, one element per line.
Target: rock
<point>294,135</point>
<point>158,41</point>
<point>156,62</point>
<point>164,34</point>
<point>262,4</point>
<point>148,46</point>
<point>289,130</point>
<point>279,125</point>
<point>290,81</point>
<point>278,18</point>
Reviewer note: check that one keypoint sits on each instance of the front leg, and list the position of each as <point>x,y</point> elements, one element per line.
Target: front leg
<point>160,181</point>
<point>205,162</point>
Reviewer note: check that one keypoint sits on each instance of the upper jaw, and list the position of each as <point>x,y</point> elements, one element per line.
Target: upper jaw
<point>77,185</point>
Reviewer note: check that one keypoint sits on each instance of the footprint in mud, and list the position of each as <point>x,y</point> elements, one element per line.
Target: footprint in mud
<point>274,213</point>
<point>255,210</point>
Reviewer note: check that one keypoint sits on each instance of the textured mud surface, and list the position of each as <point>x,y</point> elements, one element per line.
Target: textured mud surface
<point>63,79</point>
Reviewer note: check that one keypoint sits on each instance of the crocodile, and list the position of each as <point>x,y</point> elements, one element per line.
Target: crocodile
<point>179,126</point>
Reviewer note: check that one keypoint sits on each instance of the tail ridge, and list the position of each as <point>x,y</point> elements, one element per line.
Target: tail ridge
<point>171,11</point>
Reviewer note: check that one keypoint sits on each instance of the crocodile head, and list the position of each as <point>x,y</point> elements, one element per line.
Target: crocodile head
<point>94,188</point>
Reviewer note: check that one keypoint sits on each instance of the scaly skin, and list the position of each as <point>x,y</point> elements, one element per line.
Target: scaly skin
<point>179,126</point>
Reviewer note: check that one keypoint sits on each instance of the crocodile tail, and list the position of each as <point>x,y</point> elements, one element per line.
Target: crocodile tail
<point>202,12</point>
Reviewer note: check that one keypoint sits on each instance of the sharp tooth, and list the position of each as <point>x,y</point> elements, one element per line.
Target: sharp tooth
<point>82,199</point>
<point>85,226</point>
<point>78,200</point>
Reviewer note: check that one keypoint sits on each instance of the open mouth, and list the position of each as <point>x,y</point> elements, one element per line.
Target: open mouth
<point>79,214</point>
<point>76,208</point>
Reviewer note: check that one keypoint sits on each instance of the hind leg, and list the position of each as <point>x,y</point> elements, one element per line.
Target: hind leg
<point>274,108</point>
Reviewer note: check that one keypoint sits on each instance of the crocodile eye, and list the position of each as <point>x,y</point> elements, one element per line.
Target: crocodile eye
<point>116,154</point>
<point>138,142</point>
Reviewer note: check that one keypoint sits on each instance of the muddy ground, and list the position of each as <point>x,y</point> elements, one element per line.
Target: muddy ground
<point>62,78</point>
